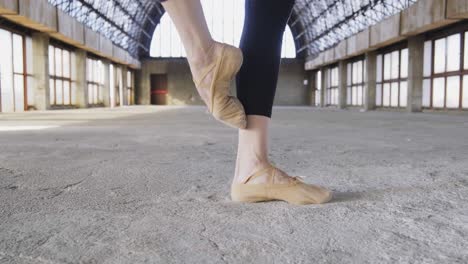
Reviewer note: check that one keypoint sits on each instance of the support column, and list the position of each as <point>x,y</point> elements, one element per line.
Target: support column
<point>106,91</point>
<point>80,79</point>
<point>371,80</point>
<point>124,86</point>
<point>143,89</point>
<point>133,82</point>
<point>312,87</point>
<point>342,83</point>
<point>40,50</point>
<point>415,73</point>
<point>323,91</point>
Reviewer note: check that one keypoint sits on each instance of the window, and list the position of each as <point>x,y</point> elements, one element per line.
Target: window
<point>355,83</point>
<point>116,85</point>
<point>12,72</point>
<point>225,19</point>
<point>318,87</point>
<point>392,76</point>
<point>95,81</point>
<point>445,84</point>
<point>130,88</point>
<point>62,92</point>
<point>332,86</point>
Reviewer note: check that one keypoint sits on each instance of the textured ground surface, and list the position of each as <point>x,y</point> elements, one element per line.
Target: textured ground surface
<point>150,185</point>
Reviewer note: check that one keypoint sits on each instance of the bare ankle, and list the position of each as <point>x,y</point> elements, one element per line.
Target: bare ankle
<point>246,168</point>
<point>200,57</point>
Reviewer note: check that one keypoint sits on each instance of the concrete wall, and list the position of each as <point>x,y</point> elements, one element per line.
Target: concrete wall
<point>386,32</point>
<point>40,90</point>
<point>105,46</point>
<point>8,7</point>
<point>91,39</point>
<point>181,89</point>
<point>42,16</point>
<point>340,50</point>
<point>423,16</point>
<point>291,89</point>
<point>69,30</point>
<point>358,44</point>
<point>37,14</point>
<point>457,9</point>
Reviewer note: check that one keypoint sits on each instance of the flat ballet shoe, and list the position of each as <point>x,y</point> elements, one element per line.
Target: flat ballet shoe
<point>294,192</point>
<point>223,106</point>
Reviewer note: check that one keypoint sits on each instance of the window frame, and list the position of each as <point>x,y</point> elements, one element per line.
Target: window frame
<point>100,86</point>
<point>385,51</point>
<point>62,78</point>
<point>350,83</point>
<point>330,87</point>
<point>130,87</point>
<point>24,74</point>
<point>461,72</point>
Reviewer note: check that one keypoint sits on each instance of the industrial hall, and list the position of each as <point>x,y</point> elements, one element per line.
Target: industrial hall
<point>233,131</point>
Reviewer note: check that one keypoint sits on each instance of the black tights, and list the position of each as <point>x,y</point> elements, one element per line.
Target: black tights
<point>265,22</point>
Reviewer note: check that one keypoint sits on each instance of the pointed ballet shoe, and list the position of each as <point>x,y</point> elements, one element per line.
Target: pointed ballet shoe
<point>223,106</point>
<point>294,192</point>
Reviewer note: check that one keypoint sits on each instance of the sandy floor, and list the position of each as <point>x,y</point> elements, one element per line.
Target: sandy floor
<point>150,185</point>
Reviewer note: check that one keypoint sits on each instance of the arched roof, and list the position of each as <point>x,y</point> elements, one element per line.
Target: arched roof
<point>320,24</point>
<point>127,23</point>
<point>315,24</point>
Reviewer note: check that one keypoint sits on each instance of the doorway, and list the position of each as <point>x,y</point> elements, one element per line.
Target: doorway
<point>158,89</point>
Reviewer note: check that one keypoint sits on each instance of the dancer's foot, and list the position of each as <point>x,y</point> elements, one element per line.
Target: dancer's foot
<point>213,74</point>
<point>198,64</point>
<point>270,183</point>
<point>255,166</point>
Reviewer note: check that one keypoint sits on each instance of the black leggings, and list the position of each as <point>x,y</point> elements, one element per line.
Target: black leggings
<point>265,22</point>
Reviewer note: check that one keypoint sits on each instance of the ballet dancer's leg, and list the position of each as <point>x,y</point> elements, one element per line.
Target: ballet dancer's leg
<point>265,22</point>
<point>213,65</point>
<point>255,178</point>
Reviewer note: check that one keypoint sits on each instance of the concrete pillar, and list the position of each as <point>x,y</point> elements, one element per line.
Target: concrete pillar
<point>106,92</point>
<point>371,80</point>
<point>323,91</point>
<point>312,87</point>
<point>143,89</point>
<point>80,79</point>
<point>415,73</point>
<point>342,83</point>
<point>124,97</point>
<point>40,51</point>
<point>132,82</point>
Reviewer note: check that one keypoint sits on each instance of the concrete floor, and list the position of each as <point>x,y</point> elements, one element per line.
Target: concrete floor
<point>150,185</point>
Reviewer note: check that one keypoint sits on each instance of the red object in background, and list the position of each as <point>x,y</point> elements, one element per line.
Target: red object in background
<point>159,92</point>
<point>158,89</point>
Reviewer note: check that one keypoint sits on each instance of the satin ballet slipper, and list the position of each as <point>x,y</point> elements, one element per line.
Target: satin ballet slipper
<point>222,105</point>
<point>295,192</point>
